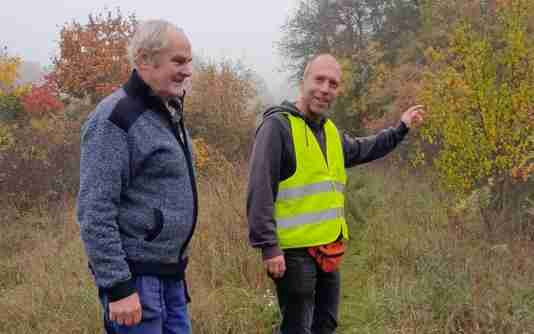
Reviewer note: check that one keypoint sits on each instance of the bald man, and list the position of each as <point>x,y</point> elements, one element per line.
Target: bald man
<point>295,196</point>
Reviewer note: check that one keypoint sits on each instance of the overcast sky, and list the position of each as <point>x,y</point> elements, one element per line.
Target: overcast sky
<point>239,29</point>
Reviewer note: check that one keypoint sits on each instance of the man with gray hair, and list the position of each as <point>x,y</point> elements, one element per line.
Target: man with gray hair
<point>137,204</point>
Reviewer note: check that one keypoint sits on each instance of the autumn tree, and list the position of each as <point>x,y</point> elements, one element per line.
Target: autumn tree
<point>339,28</point>
<point>42,98</point>
<point>10,91</point>
<point>38,142</point>
<point>322,26</point>
<point>478,91</point>
<point>368,37</point>
<point>92,58</point>
<point>8,71</point>
<point>396,25</point>
<point>220,108</point>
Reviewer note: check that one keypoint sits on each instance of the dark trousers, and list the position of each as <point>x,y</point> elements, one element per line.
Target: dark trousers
<point>308,297</point>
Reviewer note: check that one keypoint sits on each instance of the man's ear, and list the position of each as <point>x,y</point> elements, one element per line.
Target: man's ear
<point>300,92</point>
<point>301,87</point>
<point>341,89</point>
<point>143,61</point>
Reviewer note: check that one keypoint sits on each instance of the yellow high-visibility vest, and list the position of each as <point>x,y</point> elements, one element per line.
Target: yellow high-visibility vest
<point>309,205</point>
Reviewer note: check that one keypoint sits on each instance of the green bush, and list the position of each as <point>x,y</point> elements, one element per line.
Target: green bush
<point>10,107</point>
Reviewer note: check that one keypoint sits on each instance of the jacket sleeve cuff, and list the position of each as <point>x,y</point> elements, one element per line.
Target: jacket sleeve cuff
<point>403,129</point>
<point>121,290</point>
<point>270,251</point>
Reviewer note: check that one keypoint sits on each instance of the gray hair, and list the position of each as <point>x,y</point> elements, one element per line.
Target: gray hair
<point>150,38</point>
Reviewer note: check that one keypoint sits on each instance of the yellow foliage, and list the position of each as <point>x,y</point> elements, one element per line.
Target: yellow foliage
<point>22,90</point>
<point>10,92</point>
<point>209,160</point>
<point>53,127</point>
<point>8,73</point>
<point>219,105</point>
<point>6,138</point>
<point>201,150</point>
<point>478,93</point>
<point>347,75</point>
<point>40,125</point>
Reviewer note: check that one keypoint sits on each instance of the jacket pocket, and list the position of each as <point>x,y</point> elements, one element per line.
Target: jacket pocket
<point>158,226</point>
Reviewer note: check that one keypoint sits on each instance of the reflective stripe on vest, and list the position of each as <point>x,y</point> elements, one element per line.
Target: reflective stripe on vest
<point>310,189</point>
<point>311,218</point>
<point>309,204</point>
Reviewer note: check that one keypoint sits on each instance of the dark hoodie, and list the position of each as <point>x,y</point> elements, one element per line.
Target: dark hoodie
<point>273,160</point>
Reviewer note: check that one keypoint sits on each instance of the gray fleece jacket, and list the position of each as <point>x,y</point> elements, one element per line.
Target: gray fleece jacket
<point>137,204</point>
<point>273,160</point>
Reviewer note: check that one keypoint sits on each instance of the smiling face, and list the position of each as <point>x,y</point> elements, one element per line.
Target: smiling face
<point>320,86</point>
<point>166,73</point>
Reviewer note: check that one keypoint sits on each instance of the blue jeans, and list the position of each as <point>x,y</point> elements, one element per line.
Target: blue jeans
<point>164,304</point>
<point>308,297</point>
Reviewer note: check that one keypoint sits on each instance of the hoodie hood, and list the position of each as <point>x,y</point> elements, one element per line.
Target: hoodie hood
<point>286,106</point>
<point>291,108</point>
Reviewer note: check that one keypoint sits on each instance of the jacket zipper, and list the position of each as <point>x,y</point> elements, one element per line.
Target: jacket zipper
<point>189,159</point>
<point>176,126</point>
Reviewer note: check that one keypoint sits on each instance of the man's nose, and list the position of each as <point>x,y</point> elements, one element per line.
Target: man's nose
<point>187,70</point>
<point>324,87</point>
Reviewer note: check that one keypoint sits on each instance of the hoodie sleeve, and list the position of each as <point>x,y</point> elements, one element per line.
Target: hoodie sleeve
<point>361,150</point>
<point>103,172</point>
<point>264,176</point>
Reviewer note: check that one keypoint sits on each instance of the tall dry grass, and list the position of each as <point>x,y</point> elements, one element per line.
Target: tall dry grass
<point>411,266</point>
<point>45,286</point>
<point>415,268</point>
<point>231,293</point>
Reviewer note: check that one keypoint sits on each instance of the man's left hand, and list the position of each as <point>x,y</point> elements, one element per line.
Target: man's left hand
<point>413,116</point>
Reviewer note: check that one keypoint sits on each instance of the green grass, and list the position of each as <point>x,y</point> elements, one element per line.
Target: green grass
<point>411,269</point>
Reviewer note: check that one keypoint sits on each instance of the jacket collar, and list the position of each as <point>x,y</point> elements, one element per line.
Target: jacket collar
<point>137,88</point>
<point>292,107</point>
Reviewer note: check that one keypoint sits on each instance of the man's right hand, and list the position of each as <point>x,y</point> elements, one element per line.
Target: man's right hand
<point>275,266</point>
<point>126,311</point>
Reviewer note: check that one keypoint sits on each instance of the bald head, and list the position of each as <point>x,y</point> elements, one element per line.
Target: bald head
<point>320,86</point>
<point>324,59</point>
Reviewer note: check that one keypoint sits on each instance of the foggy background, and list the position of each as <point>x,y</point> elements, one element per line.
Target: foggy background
<point>236,29</point>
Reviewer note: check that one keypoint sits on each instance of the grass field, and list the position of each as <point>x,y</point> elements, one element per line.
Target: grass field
<point>410,267</point>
